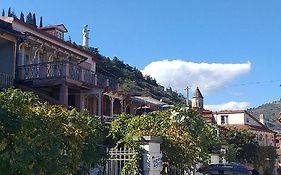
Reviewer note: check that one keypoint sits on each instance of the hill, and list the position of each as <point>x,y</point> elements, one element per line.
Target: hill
<point>133,82</point>
<point>271,114</point>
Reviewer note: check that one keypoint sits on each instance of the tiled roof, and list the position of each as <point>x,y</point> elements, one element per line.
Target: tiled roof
<point>248,127</point>
<point>149,100</point>
<point>7,28</point>
<point>60,27</point>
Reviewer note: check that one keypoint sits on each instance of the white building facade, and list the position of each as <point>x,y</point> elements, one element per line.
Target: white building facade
<point>241,119</point>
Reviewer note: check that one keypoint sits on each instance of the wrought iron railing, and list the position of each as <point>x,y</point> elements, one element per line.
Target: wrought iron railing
<point>6,80</point>
<point>64,69</point>
<point>107,82</point>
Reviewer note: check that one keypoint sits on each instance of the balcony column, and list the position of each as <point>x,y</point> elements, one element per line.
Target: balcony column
<point>36,59</point>
<point>111,105</point>
<point>21,72</point>
<point>67,72</point>
<point>107,82</point>
<point>99,103</point>
<point>96,79</point>
<point>122,106</point>
<point>80,101</point>
<point>63,96</point>
<point>21,54</point>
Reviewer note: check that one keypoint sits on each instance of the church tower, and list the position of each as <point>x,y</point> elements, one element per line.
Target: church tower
<point>197,100</point>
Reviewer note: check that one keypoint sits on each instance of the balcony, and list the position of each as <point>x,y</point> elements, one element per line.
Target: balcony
<point>64,70</point>
<point>6,80</point>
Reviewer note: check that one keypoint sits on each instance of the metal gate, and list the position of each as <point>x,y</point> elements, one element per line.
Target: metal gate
<point>118,157</point>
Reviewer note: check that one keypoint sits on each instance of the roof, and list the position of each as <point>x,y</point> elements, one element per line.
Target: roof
<point>59,27</point>
<point>7,28</point>
<point>232,112</point>
<point>248,127</point>
<point>208,116</point>
<point>46,34</point>
<point>197,93</point>
<point>149,100</point>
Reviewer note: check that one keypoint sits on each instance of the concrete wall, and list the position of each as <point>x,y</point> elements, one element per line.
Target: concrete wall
<point>7,49</point>
<point>232,118</point>
<point>250,121</point>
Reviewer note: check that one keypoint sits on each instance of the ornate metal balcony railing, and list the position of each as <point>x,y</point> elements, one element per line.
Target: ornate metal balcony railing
<point>64,69</point>
<point>6,80</point>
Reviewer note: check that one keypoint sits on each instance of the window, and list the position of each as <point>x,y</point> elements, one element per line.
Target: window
<point>224,119</point>
<point>247,120</point>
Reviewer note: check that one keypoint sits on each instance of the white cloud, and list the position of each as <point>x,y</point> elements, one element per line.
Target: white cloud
<point>208,76</point>
<point>232,105</point>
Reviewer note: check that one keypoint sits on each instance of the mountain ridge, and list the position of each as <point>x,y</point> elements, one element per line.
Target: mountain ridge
<point>134,83</point>
<point>271,112</point>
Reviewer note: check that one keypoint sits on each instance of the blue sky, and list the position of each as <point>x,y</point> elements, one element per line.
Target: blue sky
<point>198,31</point>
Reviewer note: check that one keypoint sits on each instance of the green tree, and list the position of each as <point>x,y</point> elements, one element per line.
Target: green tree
<point>9,12</point>
<point>266,159</point>
<point>13,14</point>
<point>186,137</point>
<point>3,12</point>
<point>242,146</point>
<point>21,16</point>
<point>41,21</point>
<point>34,20</point>
<point>29,19</point>
<point>46,139</point>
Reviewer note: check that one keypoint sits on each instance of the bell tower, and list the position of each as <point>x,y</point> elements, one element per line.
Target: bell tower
<point>197,100</point>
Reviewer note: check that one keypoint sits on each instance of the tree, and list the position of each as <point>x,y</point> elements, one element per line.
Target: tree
<point>266,159</point>
<point>13,14</point>
<point>186,137</point>
<point>29,19</point>
<point>242,146</point>
<point>21,16</point>
<point>9,12</point>
<point>41,21</point>
<point>3,12</point>
<point>46,139</point>
<point>34,20</point>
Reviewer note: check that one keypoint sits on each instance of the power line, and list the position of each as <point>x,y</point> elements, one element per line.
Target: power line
<point>256,83</point>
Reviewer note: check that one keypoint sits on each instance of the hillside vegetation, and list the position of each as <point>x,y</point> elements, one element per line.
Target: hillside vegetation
<point>133,82</point>
<point>271,113</point>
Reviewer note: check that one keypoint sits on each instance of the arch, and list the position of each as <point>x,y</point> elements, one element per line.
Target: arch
<point>106,106</point>
<point>117,107</point>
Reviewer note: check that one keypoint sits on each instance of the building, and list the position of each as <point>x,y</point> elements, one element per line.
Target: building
<point>235,119</point>
<point>241,119</point>
<point>197,103</point>
<point>278,147</point>
<point>40,60</point>
<point>8,40</point>
<point>143,105</point>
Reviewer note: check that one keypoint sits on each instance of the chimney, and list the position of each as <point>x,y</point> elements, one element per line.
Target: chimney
<point>261,118</point>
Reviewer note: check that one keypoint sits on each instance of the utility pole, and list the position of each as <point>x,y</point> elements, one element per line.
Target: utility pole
<point>187,97</point>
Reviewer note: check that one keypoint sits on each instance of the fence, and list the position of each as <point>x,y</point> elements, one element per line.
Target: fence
<point>64,69</point>
<point>118,157</point>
